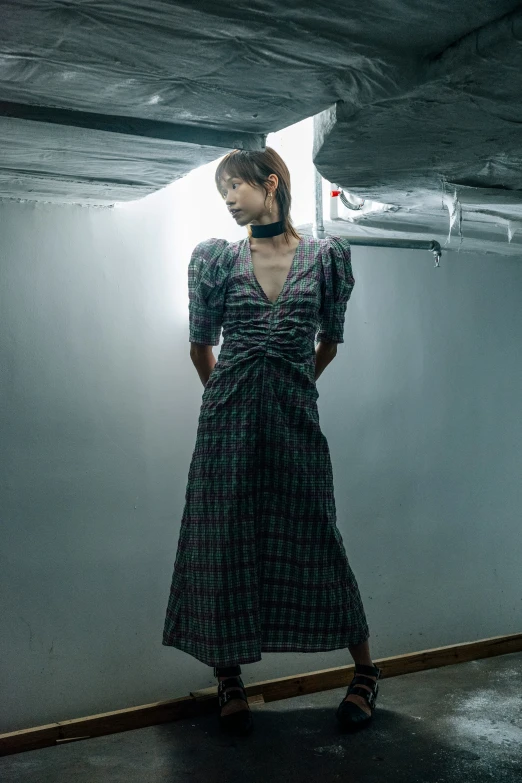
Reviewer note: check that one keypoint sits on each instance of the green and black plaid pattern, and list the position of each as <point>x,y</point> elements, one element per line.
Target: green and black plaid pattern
<point>260,564</point>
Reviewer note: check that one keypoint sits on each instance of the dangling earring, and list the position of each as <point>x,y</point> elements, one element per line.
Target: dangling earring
<point>271,200</point>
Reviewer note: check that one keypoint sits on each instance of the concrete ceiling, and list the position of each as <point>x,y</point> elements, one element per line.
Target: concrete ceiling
<point>418,103</point>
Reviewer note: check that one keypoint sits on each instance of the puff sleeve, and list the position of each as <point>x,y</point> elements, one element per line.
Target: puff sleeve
<point>337,283</point>
<point>207,282</point>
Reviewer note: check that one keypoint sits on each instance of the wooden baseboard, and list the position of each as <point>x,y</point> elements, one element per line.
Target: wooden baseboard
<point>205,701</point>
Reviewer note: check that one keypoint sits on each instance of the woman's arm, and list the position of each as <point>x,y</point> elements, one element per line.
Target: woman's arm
<point>324,354</point>
<point>203,360</point>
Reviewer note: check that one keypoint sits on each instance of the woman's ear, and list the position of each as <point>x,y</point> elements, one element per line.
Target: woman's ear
<point>274,179</point>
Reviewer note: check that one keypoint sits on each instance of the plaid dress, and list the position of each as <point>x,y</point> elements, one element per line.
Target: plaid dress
<point>260,563</point>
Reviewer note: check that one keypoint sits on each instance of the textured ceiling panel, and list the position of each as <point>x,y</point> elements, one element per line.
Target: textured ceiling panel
<point>452,142</point>
<point>254,67</point>
<point>413,97</point>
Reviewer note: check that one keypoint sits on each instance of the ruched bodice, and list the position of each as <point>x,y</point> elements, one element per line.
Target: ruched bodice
<point>312,304</point>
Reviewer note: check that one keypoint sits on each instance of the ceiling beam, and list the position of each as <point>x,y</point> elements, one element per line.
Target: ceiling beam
<point>135,126</point>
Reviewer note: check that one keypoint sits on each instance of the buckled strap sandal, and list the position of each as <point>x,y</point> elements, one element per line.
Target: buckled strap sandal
<point>239,722</point>
<point>349,714</point>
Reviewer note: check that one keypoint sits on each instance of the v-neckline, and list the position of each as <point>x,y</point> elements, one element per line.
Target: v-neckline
<point>252,272</point>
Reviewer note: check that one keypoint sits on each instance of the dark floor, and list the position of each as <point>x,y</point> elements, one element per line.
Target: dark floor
<point>456,723</point>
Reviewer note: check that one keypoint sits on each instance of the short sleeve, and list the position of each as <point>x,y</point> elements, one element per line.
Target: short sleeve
<point>207,282</point>
<point>337,283</point>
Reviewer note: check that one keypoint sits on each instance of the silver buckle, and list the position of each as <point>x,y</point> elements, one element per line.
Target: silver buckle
<point>373,695</point>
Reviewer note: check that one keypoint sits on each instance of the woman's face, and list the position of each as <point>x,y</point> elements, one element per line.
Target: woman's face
<point>250,200</point>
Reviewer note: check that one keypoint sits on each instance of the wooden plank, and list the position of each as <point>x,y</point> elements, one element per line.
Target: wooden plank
<point>205,701</point>
<point>394,666</point>
<point>29,739</point>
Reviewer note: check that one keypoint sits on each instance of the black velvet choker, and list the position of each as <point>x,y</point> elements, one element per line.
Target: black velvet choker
<point>267,229</point>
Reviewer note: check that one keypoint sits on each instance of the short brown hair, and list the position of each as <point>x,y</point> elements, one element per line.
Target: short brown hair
<point>254,167</point>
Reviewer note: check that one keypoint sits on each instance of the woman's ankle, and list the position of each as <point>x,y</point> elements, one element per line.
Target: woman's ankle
<point>227,671</point>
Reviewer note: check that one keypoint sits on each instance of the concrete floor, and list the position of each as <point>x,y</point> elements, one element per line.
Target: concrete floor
<point>456,723</point>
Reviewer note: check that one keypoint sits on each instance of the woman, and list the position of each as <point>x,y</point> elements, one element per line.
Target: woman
<point>260,564</point>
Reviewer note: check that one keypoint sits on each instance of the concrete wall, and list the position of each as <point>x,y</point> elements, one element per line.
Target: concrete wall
<point>99,408</point>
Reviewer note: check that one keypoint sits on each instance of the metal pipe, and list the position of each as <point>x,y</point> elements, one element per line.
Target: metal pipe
<point>319,230</point>
<point>318,226</point>
<point>419,244</point>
